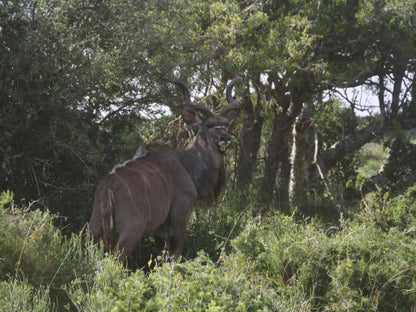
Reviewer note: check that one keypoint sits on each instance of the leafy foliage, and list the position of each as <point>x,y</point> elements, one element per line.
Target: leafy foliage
<point>68,106</point>
<point>194,286</point>
<point>34,249</point>
<point>20,296</point>
<point>79,75</point>
<point>400,169</point>
<point>111,289</point>
<point>397,212</point>
<point>77,78</point>
<point>276,263</point>
<point>358,267</point>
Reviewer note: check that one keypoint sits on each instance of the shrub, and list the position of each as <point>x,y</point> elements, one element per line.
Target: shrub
<point>394,212</point>
<point>291,256</point>
<point>372,270</point>
<point>276,263</point>
<point>35,251</point>
<point>196,285</point>
<point>33,248</point>
<point>358,267</point>
<point>111,289</point>
<point>20,296</point>
<point>199,285</point>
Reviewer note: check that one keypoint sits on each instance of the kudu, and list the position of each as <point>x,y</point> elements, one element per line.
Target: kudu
<point>155,191</point>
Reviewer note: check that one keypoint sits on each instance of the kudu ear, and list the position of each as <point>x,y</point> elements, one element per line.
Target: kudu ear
<point>190,116</point>
<point>230,112</point>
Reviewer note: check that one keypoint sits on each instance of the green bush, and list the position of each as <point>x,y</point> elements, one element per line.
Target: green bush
<point>33,248</point>
<point>196,285</point>
<point>291,256</point>
<point>199,285</point>
<point>275,263</point>
<point>394,212</point>
<point>357,267</point>
<point>110,289</point>
<point>372,270</point>
<point>19,296</point>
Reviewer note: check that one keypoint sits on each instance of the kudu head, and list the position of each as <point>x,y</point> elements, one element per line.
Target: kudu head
<point>213,128</point>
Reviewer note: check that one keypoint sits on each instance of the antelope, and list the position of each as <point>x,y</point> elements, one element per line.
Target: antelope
<point>156,190</point>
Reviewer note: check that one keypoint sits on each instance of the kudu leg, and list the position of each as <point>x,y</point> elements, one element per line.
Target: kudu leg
<point>179,215</point>
<point>126,243</point>
<point>176,241</point>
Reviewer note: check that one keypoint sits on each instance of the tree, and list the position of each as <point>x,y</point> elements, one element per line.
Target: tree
<point>76,77</point>
<point>79,74</point>
<point>330,46</point>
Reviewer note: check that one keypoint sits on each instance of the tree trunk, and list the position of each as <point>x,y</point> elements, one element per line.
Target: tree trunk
<point>283,174</point>
<point>276,157</point>
<point>302,156</point>
<point>277,148</point>
<point>250,139</point>
<point>399,73</point>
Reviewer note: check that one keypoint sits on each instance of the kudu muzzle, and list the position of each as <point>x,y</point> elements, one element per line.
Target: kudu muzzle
<point>224,138</point>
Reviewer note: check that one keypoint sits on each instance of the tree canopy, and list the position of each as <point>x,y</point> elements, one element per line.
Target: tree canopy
<point>78,75</point>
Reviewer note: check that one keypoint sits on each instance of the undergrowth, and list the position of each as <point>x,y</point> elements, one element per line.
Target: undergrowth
<point>250,263</point>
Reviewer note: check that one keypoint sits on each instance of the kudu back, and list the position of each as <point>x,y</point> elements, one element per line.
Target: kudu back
<point>155,191</point>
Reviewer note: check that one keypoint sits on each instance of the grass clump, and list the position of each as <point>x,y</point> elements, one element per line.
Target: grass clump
<point>393,212</point>
<point>111,288</point>
<point>357,266</point>
<point>197,285</point>
<point>273,263</point>
<point>16,295</point>
<point>34,249</point>
<point>36,255</point>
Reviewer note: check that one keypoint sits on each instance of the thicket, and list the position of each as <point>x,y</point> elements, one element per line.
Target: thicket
<point>80,80</point>
<point>272,264</point>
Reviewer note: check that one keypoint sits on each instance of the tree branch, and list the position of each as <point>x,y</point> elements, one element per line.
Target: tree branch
<point>355,141</point>
<point>350,143</point>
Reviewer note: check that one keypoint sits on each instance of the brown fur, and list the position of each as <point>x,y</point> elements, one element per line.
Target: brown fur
<point>155,192</point>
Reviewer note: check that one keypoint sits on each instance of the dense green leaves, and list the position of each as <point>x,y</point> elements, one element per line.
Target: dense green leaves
<point>64,88</point>
<point>36,251</point>
<point>358,267</point>
<point>20,296</point>
<point>77,77</point>
<point>79,83</point>
<point>276,264</point>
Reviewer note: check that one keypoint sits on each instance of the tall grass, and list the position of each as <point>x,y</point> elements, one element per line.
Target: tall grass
<point>16,295</point>
<point>274,263</point>
<point>34,254</point>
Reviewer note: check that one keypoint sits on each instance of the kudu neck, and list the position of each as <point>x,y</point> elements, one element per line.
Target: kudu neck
<point>205,165</point>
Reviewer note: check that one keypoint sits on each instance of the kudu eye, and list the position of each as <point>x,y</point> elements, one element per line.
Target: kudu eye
<point>217,126</point>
